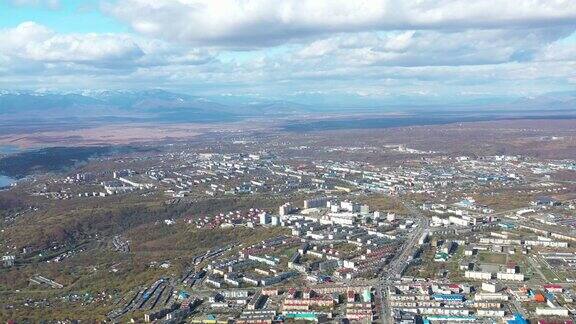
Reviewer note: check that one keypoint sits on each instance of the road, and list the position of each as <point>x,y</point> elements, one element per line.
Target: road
<point>401,259</point>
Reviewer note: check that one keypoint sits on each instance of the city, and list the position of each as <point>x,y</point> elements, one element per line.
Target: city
<point>288,161</point>
<point>297,236</point>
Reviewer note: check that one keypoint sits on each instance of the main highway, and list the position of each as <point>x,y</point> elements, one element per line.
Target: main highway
<point>401,260</point>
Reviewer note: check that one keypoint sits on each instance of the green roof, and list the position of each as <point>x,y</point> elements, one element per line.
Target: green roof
<point>441,255</point>
<point>311,316</point>
<point>367,296</point>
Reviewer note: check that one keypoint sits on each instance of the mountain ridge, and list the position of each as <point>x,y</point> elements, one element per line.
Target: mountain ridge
<point>165,106</point>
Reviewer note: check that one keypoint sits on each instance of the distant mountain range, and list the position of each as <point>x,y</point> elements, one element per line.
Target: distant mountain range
<point>164,106</point>
<point>146,105</point>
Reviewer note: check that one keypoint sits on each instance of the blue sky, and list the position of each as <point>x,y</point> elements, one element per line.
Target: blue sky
<point>363,50</point>
<point>69,16</point>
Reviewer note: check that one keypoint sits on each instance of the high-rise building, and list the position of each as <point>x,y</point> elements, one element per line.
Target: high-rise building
<point>264,218</point>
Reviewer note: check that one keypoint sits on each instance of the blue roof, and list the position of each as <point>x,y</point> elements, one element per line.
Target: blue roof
<point>507,225</point>
<point>518,319</point>
<point>448,296</point>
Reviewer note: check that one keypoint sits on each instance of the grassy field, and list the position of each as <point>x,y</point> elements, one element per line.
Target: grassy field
<point>494,258</point>
<point>383,203</point>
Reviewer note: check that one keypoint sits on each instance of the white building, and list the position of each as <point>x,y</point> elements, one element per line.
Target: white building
<point>264,218</point>
<point>491,313</point>
<point>510,276</point>
<point>350,206</point>
<point>347,219</point>
<point>285,209</point>
<point>548,311</point>
<point>490,296</point>
<point>491,287</point>
<point>478,275</point>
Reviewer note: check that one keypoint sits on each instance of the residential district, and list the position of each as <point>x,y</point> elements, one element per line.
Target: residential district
<point>448,249</point>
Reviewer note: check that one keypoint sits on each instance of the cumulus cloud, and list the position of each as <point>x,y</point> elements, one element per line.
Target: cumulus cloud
<point>558,51</point>
<point>30,42</point>
<point>34,42</point>
<point>366,47</point>
<point>427,48</point>
<point>265,23</point>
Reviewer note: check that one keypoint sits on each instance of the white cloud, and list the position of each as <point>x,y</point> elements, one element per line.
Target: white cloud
<point>89,48</point>
<point>558,51</point>
<point>30,42</point>
<point>264,22</point>
<point>428,48</point>
<point>34,42</point>
<point>340,49</point>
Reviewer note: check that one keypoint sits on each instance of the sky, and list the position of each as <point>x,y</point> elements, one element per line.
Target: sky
<point>432,50</point>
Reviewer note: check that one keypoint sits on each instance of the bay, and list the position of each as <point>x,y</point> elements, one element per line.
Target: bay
<point>9,149</point>
<point>6,181</point>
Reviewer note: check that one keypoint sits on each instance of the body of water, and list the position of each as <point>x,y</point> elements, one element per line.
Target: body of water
<point>6,181</point>
<point>9,149</point>
<point>404,121</point>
